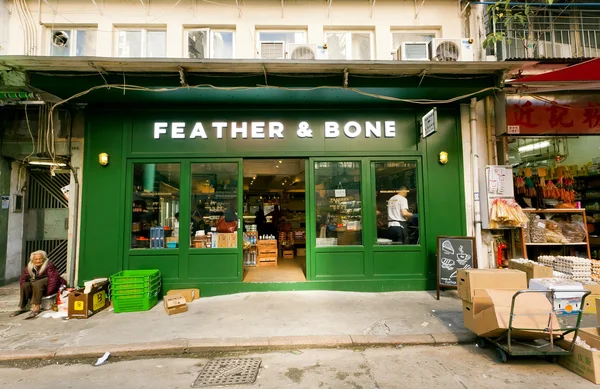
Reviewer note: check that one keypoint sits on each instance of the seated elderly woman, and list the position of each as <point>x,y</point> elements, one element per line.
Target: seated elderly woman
<point>40,278</point>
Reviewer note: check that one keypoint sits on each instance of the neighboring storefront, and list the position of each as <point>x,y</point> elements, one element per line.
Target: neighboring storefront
<point>554,136</point>
<point>150,160</point>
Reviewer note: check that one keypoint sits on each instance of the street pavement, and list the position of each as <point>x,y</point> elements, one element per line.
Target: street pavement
<point>448,367</point>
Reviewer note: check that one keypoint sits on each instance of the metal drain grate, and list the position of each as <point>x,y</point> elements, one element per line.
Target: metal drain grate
<point>228,371</point>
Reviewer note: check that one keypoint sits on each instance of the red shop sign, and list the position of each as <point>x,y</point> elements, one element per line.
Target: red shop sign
<point>553,115</point>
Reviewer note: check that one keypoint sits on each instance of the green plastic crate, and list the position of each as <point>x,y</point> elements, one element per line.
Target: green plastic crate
<point>134,305</point>
<point>136,288</point>
<point>128,295</point>
<point>134,278</point>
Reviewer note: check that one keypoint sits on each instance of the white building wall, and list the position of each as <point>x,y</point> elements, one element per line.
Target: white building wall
<point>441,16</point>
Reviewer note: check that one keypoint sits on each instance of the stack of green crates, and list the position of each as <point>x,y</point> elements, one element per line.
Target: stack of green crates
<point>135,290</point>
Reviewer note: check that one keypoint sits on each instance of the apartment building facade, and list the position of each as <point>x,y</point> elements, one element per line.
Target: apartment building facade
<point>374,69</point>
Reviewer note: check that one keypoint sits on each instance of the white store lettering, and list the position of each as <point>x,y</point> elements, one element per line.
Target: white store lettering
<point>274,130</point>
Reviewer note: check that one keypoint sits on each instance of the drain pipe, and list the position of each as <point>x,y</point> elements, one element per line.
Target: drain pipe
<point>475,171</point>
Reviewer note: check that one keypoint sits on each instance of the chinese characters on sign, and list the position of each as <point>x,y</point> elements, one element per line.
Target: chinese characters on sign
<point>561,114</point>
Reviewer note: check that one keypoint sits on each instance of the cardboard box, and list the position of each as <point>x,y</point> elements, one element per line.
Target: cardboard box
<point>590,304</point>
<point>594,288</point>
<point>175,303</point>
<point>584,362</point>
<point>227,240</point>
<point>83,305</point>
<point>532,270</point>
<point>189,294</point>
<point>472,279</point>
<point>567,293</point>
<point>491,313</point>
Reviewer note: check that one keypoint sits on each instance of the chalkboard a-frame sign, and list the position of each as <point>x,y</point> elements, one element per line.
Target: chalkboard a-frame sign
<point>453,254</point>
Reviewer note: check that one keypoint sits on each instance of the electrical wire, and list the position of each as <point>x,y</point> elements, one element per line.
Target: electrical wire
<point>30,134</point>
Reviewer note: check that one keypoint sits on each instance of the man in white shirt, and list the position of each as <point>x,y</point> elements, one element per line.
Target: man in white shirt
<point>398,216</point>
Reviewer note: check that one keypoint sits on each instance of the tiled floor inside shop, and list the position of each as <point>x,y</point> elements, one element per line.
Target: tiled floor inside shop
<point>287,270</point>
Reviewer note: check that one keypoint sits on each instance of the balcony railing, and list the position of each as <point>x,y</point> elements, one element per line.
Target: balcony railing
<point>551,33</point>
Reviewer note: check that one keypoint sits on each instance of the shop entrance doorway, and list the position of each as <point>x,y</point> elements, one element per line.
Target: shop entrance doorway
<point>274,220</point>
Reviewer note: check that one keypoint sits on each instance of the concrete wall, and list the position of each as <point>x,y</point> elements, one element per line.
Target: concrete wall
<point>16,226</point>
<point>5,14</point>
<point>4,213</point>
<point>485,254</point>
<point>314,17</point>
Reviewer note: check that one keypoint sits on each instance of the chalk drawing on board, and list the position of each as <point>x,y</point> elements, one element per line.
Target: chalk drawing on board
<point>447,247</point>
<point>462,258</point>
<point>448,264</point>
<point>453,275</point>
<point>467,267</point>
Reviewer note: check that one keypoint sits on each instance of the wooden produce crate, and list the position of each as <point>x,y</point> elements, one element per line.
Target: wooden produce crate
<point>288,254</point>
<point>267,252</point>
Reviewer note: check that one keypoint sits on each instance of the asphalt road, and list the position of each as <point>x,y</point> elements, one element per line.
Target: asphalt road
<point>448,367</point>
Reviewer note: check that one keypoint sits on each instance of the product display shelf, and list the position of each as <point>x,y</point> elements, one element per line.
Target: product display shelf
<point>573,211</point>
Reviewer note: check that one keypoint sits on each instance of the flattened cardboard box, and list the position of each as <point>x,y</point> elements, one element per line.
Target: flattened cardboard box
<point>490,314</point>
<point>189,294</point>
<point>472,279</point>
<point>584,362</point>
<point>175,303</point>
<point>82,305</point>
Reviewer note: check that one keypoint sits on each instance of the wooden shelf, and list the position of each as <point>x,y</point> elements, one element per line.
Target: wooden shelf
<point>557,244</point>
<point>554,210</point>
<point>573,211</point>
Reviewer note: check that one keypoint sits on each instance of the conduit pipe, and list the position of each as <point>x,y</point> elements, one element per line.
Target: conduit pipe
<point>475,172</point>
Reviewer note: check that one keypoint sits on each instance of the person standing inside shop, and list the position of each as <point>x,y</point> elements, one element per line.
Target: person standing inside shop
<point>398,216</point>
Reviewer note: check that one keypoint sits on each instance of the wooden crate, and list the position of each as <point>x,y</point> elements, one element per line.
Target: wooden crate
<point>288,254</point>
<point>267,260</point>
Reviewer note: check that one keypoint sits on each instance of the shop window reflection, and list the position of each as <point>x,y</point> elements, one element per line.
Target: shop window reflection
<point>214,199</point>
<point>155,205</point>
<point>396,203</point>
<point>338,204</point>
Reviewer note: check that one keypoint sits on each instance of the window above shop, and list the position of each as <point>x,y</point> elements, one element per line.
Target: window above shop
<point>349,45</point>
<point>72,41</point>
<point>271,44</point>
<point>136,43</point>
<point>201,43</point>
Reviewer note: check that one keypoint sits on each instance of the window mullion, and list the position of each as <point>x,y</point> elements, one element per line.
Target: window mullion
<point>144,53</point>
<point>348,46</point>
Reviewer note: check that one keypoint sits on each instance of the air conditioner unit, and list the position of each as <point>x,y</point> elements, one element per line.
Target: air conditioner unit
<point>413,51</point>
<point>272,50</point>
<point>449,50</point>
<point>299,51</point>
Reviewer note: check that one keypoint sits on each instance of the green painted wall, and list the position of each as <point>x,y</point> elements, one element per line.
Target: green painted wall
<point>128,137</point>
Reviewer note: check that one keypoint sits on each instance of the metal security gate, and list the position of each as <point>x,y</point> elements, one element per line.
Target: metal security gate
<point>47,216</point>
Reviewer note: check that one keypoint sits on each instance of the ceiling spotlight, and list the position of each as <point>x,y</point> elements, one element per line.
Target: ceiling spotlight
<point>277,166</point>
<point>280,161</point>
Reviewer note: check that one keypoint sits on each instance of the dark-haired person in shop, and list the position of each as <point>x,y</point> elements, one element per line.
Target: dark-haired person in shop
<point>398,216</point>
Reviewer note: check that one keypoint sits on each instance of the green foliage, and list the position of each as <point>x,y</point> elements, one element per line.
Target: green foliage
<point>512,16</point>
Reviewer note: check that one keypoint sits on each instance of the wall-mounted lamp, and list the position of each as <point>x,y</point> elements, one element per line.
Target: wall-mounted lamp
<point>443,157</point>
<point>103,159</point>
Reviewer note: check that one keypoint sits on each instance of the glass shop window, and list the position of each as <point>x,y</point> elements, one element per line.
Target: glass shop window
<point>214,201</point>
<point>349,45</point>
<point>338,202</point>
<point>155,205</point>
<point>72,42</point>
<point>396,202</point>
<point>207,43</point>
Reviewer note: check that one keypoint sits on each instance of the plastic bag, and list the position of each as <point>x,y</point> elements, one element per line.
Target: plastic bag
<point>537,231</point>
<point>555,236</point>
<point>573,231</point>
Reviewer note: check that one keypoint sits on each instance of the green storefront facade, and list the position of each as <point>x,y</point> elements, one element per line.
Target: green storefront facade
<point>147,137</point>
<point>322,112</point>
